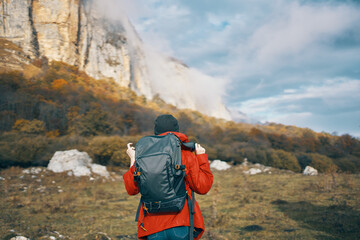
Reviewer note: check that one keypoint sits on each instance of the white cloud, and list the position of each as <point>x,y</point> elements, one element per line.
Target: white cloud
<point>332,107</point>
<point>298,119</point>
<point>336,96</point>
<point>298,27</point>
<point>289,90</point>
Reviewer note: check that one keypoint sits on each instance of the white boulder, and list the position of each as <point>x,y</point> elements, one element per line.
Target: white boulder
<point>68,160</point>
<point>100,170</point>
<point>75,163</point>
<point>253,171</point>
<point>310,171</point>
<point>34,170</point>
<point>220,165</point>
<point>79,171</point>
<point>245,162</point>
<point>19,238</point>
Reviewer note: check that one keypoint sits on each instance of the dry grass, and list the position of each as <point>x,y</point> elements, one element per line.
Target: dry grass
<point>278,206</point>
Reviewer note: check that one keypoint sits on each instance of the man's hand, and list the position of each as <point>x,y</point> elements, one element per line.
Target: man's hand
<point>199,149</point>
<point>131,153</point>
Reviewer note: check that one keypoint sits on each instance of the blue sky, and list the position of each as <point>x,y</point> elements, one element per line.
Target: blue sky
<point>290,62</point>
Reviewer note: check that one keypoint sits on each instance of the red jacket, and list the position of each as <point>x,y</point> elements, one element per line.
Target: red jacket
<point>198,177</point>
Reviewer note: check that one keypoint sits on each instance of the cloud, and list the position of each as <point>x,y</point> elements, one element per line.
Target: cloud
<point>293,36</point>
<point>342,123</point>
<point>300,27</point>
<point>339,93</point>
<point>183,86</point>
<point>335,98</point>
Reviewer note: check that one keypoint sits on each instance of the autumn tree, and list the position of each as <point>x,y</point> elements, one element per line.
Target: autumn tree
<point>31,127</point>
<point>283,160</point>
<point>94,123</point>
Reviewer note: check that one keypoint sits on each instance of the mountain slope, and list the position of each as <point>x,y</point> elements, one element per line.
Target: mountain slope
<point>52,107</point>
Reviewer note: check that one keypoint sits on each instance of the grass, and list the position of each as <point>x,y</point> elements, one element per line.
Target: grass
<point>272,206</point>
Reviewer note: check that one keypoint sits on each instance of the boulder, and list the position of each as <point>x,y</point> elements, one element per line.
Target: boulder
<point>99,170</point>
<point>19,238</point>
<point>310,171</point>
<point>253,171</point>
<point>75,163</point>
<point>34,170</point>
<point>68,160</point>
<point>79,171</point>
<point>245,163</point>
<point>220,165</point>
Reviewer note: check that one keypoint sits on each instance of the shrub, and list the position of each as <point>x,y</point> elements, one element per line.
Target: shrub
<point>31,127</point>
<point>283,160</point>
<point>304,160</point>
<point>348,164</point>
<point>22,150</point>
<point>94,123</point>
<point>321,162</point>
<point>110,150</point>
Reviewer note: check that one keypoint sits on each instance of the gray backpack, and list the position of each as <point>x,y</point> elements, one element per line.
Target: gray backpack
<point>160,174</point>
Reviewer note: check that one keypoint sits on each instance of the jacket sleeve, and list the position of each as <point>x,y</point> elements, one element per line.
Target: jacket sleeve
<point>198,173</point>
<point>131,186</point>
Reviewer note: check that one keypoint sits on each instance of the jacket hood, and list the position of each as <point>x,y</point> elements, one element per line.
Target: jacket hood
<point>182,136</point>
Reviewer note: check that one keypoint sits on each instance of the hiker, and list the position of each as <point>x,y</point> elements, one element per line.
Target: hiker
<point>198,179</point>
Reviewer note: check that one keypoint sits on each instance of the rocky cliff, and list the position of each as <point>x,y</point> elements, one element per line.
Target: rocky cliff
<point>75,32</point>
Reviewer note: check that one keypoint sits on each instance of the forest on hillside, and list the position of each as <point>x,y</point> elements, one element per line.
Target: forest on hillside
<point>51,107</point>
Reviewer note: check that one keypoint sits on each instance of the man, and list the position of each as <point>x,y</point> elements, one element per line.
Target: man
<point>198,178</point>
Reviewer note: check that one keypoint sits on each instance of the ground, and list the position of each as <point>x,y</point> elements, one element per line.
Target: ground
<point>281,205</point>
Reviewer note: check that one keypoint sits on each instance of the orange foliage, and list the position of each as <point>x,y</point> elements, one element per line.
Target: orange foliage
<point>59,84</point>
<point>53,134</point>
<point>20,123</point>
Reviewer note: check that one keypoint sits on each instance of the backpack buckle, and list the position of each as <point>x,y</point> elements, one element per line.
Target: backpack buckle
<point>180,167</point>
<point>136,175</point>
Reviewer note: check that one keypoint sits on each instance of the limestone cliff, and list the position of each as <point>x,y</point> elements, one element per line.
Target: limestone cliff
<point>73,31</point>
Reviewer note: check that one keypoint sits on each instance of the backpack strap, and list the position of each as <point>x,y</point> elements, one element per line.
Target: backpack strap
<point>191,205</point>
<point>189,145</point>
<point>138,211</point>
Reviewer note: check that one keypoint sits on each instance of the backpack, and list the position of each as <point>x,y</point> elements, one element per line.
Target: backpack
<point>160,174</point>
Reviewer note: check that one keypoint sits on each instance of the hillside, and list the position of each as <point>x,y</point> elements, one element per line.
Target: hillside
<point>55,106</point>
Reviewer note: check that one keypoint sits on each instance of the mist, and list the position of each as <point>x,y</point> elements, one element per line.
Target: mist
<point>172,80</point>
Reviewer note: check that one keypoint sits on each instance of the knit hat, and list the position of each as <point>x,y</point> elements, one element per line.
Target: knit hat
<point>166,123</point>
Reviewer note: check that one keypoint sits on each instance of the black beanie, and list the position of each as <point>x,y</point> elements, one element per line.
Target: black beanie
<point>166,123</point>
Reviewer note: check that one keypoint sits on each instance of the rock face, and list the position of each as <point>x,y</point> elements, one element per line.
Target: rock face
<point>219,165</point>
<point>68,31</point>
<point>78,163</point>
<point>310,171</point>
<point>77,33</point>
